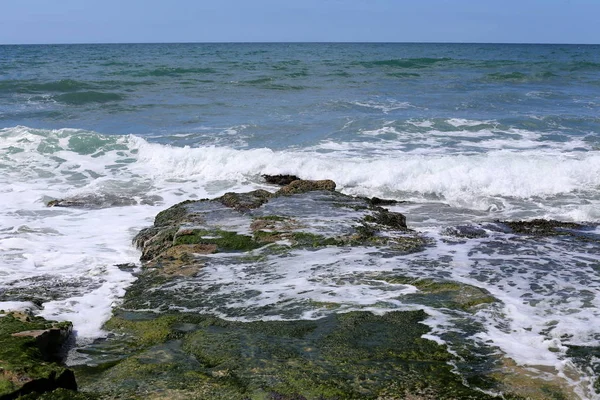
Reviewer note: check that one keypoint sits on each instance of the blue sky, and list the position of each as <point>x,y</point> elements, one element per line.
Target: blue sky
<point>107,21</point>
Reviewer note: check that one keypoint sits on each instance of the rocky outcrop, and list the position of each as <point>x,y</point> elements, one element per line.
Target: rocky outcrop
<point>31,349</point>
<point>182,333</point>
<point>245,201</point>
<point>259,218</point>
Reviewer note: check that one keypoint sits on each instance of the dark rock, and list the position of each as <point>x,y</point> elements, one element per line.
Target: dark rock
<point>281,180</point>
<point>387,218</point>
<point>303,186</point>
<point>126,266</point>
<point>155,240</point>
<point>166,345</point>
<point>465,231</point>
<point>376,201</point>
<point>541,227</point>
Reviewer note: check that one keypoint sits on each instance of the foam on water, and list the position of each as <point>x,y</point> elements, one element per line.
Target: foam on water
<point>383,105</point>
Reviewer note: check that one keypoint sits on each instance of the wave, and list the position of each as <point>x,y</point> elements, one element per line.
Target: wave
<point>403,75</point>
<point>584,66</point>
<point>30,86</point>
<point>269,83</point>
<point>170,71</point>
<point>80,98</point>
<point>520,77</point>
<point>547,180</point>
<point>409,63</point>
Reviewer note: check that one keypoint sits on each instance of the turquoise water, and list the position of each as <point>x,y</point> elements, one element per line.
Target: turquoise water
<point>463,134</point>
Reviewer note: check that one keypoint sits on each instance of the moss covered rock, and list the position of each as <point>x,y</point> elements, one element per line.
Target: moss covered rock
<point>30,355</point>
<point>245,201</point>
<point>356,355</point>
<point>541,227</point>
<point>303,186</point>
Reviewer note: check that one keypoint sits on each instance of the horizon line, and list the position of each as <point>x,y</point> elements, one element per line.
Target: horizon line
<point>295,42</point>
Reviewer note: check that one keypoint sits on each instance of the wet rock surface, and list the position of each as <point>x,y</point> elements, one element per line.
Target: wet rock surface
<point>542,227</point>
<point>354,355</point>
<point>31,352</point>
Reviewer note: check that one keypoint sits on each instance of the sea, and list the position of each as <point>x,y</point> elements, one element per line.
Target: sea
<point>461,134</point>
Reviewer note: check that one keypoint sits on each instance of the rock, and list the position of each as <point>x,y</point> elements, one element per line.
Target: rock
<point>352,355</point>
<point>542,227</point>
<point>203,223</point>
<point>440,293</point>
<point>173,215</point>
<point>129,267</point>
<point>465,231</point>
<point>376,201</point>
<point>390,219</point>
<point>93,201</point>
<point>303,186</point>
<point>245,201</point>
<point>31,349</point>
<point>281,180</point>
<point>49,341</point>
<point>167,341</point>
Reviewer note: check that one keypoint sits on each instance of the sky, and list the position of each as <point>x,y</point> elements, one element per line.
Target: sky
<point>141,21</point>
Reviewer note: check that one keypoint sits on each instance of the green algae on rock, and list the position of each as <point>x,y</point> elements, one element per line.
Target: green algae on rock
<point>30,353</point>
<point>356,355</point>
<point>303,186</point>
<point>443,294</point>
<point>245,201</point>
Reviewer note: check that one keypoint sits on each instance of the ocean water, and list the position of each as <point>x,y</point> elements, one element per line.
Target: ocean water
<point>465,134</point>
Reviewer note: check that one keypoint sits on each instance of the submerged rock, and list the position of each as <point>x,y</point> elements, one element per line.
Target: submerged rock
<point>31,349</point>
<point>95,201</point>
<point>465,232</point>
<point>355,355</point>
<point>542,227</point>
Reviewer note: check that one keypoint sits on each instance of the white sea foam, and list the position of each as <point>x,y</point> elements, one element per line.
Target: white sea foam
<point>26,306</point>
<point>421,123</point>
<point>460,122</point>
<point>471,181</point>
<point>385,106</point>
